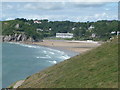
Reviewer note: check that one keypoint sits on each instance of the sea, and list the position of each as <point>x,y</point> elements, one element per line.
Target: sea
<point>22,60</point>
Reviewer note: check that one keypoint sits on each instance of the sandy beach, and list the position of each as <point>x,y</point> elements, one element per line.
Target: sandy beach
<point>75,46</point>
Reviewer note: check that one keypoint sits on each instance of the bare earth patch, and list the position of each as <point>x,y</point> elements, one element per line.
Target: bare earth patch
<point>18,84</point>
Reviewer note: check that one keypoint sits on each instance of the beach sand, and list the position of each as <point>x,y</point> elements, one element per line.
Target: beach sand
<point>75,46</point>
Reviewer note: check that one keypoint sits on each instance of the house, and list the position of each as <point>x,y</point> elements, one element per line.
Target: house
<point>73,28</point>
<point>118,32</point>
<point>36,21</point>
<point>113,32</point>
<point>17,26</point>
<point>93,35</point>
<point>50,29</point>
<point>64,35</point>
<point>91,27</point>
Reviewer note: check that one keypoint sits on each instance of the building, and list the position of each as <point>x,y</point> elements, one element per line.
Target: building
<point>36,21</point>
<point>91,27</point>
<point>93,35</point>
<point>64,35</point>
<point>118,32</point>
<point>17,26</point>
<point>73,28</point>
<point>113,32</point>
<point>50,29</point>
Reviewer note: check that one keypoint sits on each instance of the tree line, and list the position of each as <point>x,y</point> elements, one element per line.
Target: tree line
<point>39,29</point>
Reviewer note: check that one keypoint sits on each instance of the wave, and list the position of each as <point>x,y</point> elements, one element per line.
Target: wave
<point>65,57</point>
<point>29,46</point>
<point>41,57</point>
<point>57,51</point>
<point>25,45</point>
<point>47,56</point>
<point>47,51</point>
<point>13,42</point>
<point>51,52</point>
<point>53,62</point>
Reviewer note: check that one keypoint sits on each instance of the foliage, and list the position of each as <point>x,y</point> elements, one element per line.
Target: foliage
<point>102,29</point>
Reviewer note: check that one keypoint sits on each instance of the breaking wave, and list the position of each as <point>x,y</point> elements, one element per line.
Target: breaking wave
<point>47,56</point>
<point>25,45</point>
<point>53,62</point>
<point>48,52</point>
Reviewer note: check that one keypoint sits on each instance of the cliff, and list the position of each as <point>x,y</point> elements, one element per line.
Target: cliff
<point>16,38</point>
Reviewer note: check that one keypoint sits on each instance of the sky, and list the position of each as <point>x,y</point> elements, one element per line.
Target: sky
<point>60,11</point>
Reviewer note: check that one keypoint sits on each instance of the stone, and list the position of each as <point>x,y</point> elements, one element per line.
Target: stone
<point>19,37</point>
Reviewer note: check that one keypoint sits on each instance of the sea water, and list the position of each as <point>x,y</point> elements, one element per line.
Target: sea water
<point>21,60</point>
<point>0,65</point>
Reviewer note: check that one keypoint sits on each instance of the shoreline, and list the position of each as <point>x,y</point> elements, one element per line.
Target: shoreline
<point>71,48</point>
<point>68,52</point>
<point>77,47</point>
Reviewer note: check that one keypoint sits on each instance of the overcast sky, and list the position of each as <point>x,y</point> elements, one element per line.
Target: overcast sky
<point>57,11</point>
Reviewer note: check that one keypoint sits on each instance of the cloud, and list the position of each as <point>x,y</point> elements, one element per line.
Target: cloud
<point>44,6</point>
<point>54,11</point>
<point>100,15</point>
<point>89,4</point>
<point>60,0</point>
<point>94,17</point>
<point>7,6</point>
<point>50,17</point>
<point>107,9</point>
<point>10,18</point>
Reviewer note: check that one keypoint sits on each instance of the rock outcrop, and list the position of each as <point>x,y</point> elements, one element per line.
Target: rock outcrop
<point>16,38</point>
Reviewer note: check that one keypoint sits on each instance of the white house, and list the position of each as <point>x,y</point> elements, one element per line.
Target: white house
<point>50,29</point>
<point>93,35</point>
<point>118,32</point>
<point>17,26</point>
<point>36,21</point>
<point>73,28</point>
<point>91,27</point>
<point>113,32</point>
<point>64,35</point>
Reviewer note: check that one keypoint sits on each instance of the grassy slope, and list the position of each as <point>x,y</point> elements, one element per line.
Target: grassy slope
<point>94,69</point>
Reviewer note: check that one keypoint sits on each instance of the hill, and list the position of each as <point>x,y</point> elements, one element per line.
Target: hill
<point>97,68</point>
<point>22,29</point>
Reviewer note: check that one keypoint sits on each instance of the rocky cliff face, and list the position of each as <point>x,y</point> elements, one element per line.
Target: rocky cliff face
<point>16,38</point>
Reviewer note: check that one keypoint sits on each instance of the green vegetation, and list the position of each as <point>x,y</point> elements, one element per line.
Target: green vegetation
<point>97,68</point>
<point>101,30</point>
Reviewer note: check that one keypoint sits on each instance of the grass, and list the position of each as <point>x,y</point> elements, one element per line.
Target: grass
<point>97,68</point>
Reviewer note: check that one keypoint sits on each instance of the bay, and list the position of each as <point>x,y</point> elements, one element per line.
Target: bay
<point>21,60</point>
